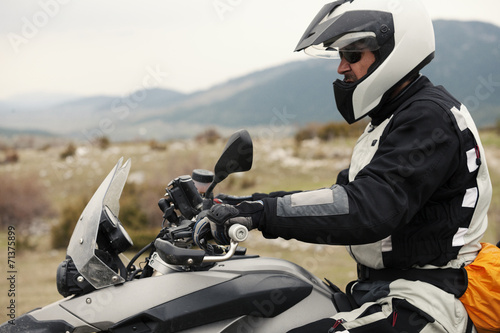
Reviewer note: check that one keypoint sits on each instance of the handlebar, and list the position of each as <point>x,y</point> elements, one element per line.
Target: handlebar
<point>238,233</point>
<point>167,254</point>
<point>232,249</point>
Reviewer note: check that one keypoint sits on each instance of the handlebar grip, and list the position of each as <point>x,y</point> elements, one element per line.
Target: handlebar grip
<point>238,233</point>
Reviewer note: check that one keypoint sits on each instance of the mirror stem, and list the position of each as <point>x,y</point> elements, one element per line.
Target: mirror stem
<point>208,192</point>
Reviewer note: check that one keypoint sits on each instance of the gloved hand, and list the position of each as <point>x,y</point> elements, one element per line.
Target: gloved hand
<point>223,216</point>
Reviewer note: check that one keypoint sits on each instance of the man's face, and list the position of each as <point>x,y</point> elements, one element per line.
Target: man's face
<point>357,69</point>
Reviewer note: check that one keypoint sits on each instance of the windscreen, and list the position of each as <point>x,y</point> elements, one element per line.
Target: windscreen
<point>83,242</point>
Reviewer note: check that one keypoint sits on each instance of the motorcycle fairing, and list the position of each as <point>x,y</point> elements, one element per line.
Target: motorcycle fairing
<point>264,295</point>
<point>82,245</point>
<point>284,294</point>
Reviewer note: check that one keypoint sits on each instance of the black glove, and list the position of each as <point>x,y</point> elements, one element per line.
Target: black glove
<point>223,216</point>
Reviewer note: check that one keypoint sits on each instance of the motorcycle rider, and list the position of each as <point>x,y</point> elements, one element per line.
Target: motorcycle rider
<point>412,206</point>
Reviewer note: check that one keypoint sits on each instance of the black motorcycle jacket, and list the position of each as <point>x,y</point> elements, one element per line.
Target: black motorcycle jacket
<point>416,193</point>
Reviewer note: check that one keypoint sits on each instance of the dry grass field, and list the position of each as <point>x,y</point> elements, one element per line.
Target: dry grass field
<point>278,165</point>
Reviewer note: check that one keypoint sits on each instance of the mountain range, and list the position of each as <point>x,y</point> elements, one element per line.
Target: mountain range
<point>273,101</point>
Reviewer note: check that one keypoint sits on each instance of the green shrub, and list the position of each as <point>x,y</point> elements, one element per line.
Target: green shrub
<point>210,136</point>
<point>155,145</point>
<point>69,151</point>
<point>103,142</point>
<point>332,130</point>
<point>329,131</point>
<point>306,133</point>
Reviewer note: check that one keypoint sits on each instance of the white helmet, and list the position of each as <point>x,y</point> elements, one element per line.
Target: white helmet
<point>399,32</point>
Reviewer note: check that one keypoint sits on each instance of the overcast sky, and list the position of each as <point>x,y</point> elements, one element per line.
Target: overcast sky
<point>90,47</point>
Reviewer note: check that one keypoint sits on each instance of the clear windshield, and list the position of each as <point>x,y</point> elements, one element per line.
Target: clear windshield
<point>83,242</point>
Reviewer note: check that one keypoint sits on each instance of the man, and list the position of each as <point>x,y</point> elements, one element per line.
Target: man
<point>412,206</point>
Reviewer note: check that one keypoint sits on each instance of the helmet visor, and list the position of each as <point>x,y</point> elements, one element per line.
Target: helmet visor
<point>349,43</point>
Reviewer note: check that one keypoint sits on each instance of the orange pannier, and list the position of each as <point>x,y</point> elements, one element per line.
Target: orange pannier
<point>482,297</point>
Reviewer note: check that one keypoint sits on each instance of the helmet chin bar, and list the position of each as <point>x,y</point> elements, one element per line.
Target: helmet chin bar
<point>343,97</point>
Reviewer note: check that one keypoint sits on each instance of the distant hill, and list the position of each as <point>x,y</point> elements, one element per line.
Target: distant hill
<point>275,100</point>
<point>10,132</point>
<point>467,63</point>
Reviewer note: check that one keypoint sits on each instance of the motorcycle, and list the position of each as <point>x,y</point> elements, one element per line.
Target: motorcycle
<point>180,287</point>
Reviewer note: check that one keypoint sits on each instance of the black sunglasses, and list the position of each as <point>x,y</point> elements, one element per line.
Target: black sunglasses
<point>351,57</point>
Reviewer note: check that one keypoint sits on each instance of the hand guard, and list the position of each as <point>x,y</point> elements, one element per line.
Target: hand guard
<point>223,216</point>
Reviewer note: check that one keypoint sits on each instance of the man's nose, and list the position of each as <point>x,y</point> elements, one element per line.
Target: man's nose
<point>344,66</point>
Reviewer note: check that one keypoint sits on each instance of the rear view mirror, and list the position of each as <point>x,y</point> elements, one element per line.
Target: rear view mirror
<point>236,157</point>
